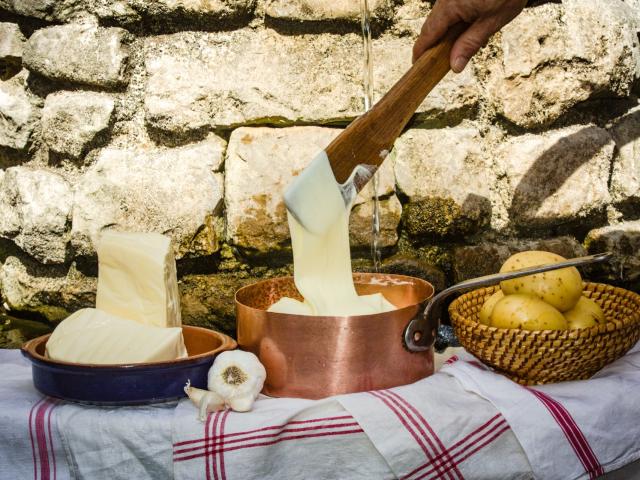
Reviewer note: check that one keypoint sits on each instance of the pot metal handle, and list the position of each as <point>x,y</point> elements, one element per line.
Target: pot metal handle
<point>420,332</point>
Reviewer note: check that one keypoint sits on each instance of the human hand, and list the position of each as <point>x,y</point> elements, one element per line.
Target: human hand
<point>484,17</point>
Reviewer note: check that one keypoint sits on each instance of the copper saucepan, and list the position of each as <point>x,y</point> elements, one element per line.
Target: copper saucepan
<point>315,357</point>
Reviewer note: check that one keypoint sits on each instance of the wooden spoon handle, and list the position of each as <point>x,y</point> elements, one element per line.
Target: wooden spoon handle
<point>370,137</point>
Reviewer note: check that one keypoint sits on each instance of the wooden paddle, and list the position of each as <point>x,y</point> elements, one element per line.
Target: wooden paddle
<point>367,140</point>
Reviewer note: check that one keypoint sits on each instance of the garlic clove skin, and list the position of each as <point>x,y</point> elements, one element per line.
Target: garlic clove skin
<point>242,403</point>
<point>205,400</point>
<point>237,377</point>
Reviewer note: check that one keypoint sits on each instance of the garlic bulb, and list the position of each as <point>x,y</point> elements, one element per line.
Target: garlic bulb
<point>205,400</point>
<point>237,377</point>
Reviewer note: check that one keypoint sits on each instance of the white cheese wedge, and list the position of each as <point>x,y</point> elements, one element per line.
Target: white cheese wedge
<point>137,278</point>
<point>96,337</point>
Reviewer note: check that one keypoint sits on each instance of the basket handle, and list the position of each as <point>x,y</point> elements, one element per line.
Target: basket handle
<point>420,332</point>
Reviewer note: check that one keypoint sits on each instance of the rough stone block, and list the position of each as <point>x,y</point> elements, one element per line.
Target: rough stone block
<point>219,9</point>
<point>11,44</point>
<point>360,223</point>
<point>625,178</point>
<point>487,258</point>
<point>116,11</point>
<point>18,114</point>
<point>79,53</point>
<point>634,6</point>
<point>556,177</point>
<point>623,240</point>
<point>198,80</point>
<point>50,292</point>
<point>447,176</point>
<point>413,266</point>
<point>71,120</point>
<point>410,17</point>
<point>208,300</point>
<point>260,164</point>
<point>172,191</point>
<point>554,56</point>
<point>42,9</point>
<point>35,208</point>
<point>321,10</point>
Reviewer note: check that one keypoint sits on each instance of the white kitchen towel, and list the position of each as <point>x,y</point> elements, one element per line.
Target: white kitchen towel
<point>431,429</point>
<point>30,446</point>
<point>568,430</point>
<point>116,443</point>
<point>48,439</point>
<point>279,439</point>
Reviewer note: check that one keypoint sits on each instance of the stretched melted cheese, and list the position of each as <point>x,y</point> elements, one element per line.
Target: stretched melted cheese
<point>137,278</point>
<point>322,259</point>
<point>96,337</point>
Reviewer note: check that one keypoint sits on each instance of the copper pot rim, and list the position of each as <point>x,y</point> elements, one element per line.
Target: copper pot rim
<point>356,276</point>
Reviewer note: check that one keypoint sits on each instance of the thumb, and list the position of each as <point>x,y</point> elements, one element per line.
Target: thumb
<point>471,40</point>
<point>434,28</point>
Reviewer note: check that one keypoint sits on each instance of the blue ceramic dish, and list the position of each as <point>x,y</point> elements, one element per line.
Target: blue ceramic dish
<point>133,384</point>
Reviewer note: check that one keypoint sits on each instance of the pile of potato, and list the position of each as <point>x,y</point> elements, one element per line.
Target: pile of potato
<point>544,301</point>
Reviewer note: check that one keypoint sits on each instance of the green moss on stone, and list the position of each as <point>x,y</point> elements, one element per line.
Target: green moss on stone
<point>437,217</point>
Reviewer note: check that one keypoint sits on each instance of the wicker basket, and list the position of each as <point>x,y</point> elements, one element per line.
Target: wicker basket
<point>547,356</point>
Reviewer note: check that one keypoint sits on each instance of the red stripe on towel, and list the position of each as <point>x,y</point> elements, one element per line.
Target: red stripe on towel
<point>214,443</point>
<point>461,450</point>
<point>41,437</point>
<point>467,451</point>
<point>31,435</point>
<point>572,432</point>
<point>263,429</point>
<point>459,444</point>
<point>44,460</point>
<point>431,452</point>
<point>223,475</point>
<point>206,446</point>
<point>53,453</point>
<point>275,441</point>
<point>424,422</point>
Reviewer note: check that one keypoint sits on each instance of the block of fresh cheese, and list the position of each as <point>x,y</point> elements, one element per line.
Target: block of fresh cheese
<point>96,337</point>
<point>137,278</point>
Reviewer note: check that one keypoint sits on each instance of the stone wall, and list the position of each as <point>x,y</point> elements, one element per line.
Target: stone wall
<point>189,117</point>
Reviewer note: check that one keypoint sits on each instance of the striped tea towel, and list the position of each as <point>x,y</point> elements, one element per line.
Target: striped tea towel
<point>568,430</point>
<point>431,429</point>
<point>29,444</point>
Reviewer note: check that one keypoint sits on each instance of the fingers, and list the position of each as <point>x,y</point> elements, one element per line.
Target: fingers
<point>472,39</point>
<point>434,27</point>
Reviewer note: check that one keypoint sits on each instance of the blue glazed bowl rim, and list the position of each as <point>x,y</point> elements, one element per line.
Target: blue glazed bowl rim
<point>29,351</point>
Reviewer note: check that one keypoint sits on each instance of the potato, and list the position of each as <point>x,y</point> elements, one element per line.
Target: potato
<point>527,312</point>
<point>585,314</point>
<point>487,308</point>
<point>559,288</point>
